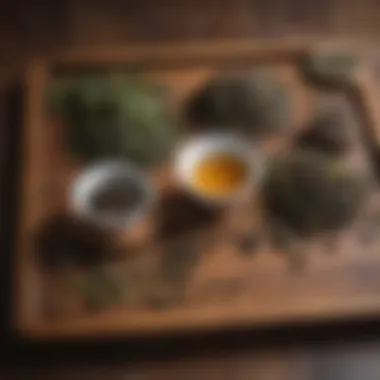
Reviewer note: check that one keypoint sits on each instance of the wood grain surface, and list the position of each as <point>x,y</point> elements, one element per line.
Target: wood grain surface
<point>34,28</point>
<point>341,286</point>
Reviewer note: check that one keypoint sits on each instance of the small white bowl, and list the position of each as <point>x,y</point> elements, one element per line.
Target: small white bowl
<point>205,145</point>
<point>96,178</point>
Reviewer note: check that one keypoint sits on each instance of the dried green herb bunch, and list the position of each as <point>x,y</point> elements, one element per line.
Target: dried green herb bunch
<point>120,116</point>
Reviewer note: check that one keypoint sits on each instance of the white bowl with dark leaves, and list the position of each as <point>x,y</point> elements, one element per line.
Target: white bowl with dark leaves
<point>112,194</point>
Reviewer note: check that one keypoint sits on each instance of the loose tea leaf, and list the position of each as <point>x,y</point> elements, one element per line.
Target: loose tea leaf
<point>253,103</point>
<point>296,259</point>
<point>118,197</point>
<point>107,117</point>
<point>63,241</point>
<point>281,236</point>
<point>286,241</point>
<point>327,134</point>
<point>102,290</point>
<point>369,229</point>
<point>179,260</point>
<point>133,291</point>
<point>226,287</point>
<point>368,233</point>
<point>331,244</point>
<point>310,192</point>
<point>162,300</point>
<point>247,243</point>
<point>331,67</point>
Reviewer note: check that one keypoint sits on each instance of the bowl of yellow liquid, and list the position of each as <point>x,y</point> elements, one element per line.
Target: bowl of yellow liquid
<point>218,167</point>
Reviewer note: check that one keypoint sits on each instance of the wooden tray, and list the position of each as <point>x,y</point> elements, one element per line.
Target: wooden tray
<point>226,289</point>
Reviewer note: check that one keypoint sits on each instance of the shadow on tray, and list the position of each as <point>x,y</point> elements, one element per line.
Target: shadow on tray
<point>62,240</point>
<point>179,216</point>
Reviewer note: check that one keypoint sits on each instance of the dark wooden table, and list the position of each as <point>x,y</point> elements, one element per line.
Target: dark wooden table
<point>340,351</point>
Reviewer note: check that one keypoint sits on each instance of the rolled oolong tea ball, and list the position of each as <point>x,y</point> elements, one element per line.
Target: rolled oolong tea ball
<point>312,193</point>
<point>253,103</point>
<point>327,133</point>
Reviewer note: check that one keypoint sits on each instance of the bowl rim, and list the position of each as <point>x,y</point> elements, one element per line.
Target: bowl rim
<point>93,178</point>
<point>248,152</point>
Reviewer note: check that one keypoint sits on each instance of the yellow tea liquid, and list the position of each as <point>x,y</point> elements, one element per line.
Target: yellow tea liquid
<point>219,174</point>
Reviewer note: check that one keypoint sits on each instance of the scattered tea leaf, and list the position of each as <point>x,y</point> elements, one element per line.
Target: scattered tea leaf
<point>281,236</point>
<point>369,228</point>
<point>132,292</point>
<point>247,243</point>
<point>102,290</point>
<point>179,260</point>
<point>230,286</point>
<point>296,259</point>
<point>331,244</point>
<point>163,301</point>
<point>368,233</point>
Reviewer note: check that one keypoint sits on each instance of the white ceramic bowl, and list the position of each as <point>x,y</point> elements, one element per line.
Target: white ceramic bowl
<point>95,178</point>
<point>202,146</point>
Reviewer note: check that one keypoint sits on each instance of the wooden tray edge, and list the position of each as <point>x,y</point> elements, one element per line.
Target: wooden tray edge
<point>35,80</point>
<point>215,49</point>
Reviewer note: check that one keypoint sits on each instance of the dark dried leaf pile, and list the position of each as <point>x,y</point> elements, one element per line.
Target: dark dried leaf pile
<point>63,241</point>
<point>327,133</point>
<point>310,192</point>
<point>252,103</point>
